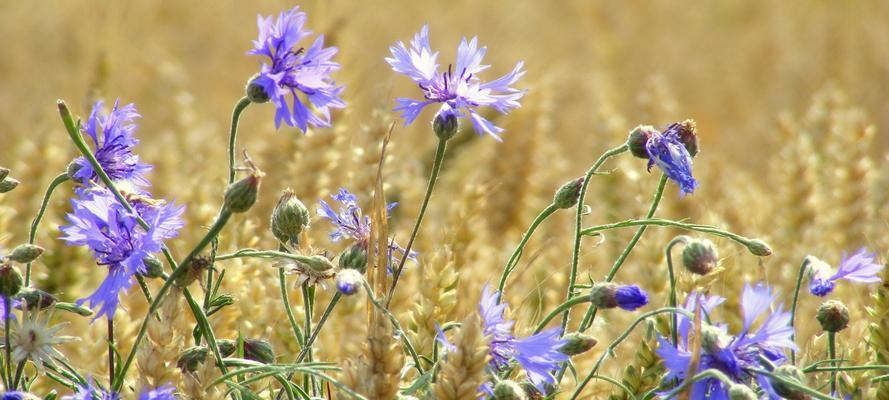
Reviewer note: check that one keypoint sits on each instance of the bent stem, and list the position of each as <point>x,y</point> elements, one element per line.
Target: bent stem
<point>433,177</point>
<point>673,327</point>
<point>233,136</point>
<point>799,283</point>
<point>32,234</point>
<point>517,253</point>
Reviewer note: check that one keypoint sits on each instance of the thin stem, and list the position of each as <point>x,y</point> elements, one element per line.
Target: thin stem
<point>433,177</point>
<point>32,234</point>
<point>792,383</point>
<point>110,350</point>
<point>327,312</point>
<point>793,304</point>
<point>832,354</point>
<point>18,374</point>
<point>8,359</point>
<point>517,253</point>
<point>847,368</point>
<point>253,253</point>
<point>673,319</point>
<point>621,338</point>
<point>309,306</point>
<point>282,282</point>
<point>233,136</point>
<point>560,309</point>
<point>578,220</point>
<point>666,222</point>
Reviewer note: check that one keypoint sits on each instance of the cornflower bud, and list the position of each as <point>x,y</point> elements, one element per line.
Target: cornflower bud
<point>577,343</point>
<point>737,391</point>
<point>509,390</point>
<point>833,316</point>
<point>354,257</point>
<point>241,195</point>
<point>191,358</point>
<point>784,390</point>
<point>700,256</point>
<point>568,194</point>
<point>4,172</point>
<point>255,92</point>
<point>445,126</point>
<point>154,268</point>
<point>289,218</point>
<point>611,295</point>
<point>759,248</point>
<point>11,280</point>
<point>259,350</point>
<point>72,169</point>
<point>348,281</point>
<point>25,253</point>
<point>35,299</point>
<point>638,138</point>
<point>8,184</point>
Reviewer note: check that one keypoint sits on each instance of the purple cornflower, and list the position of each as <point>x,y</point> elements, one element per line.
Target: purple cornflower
<point>458,90</point>
<point>350,223</point>
<point>667,151</point>
<point>296,70</point>
<point>161,393</point>
<point>92,392</point>
<point>13,303</point>
<point>112,135</point>
<point>538,354</point>
<point>733,355</point>
<point>860,267</point>
<point>611,295</point>
<point>101,223</point>
<point>16,395</point>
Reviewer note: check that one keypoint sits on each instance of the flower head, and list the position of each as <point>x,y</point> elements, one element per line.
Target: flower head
<point>612,295</point>
<point>101,223</point>
<point>292,70</point>
<point>734,355</point>
<point>667,151</point>
<point>112,136</point>
<point>35,339</point>
<point>458,90</point>
<point>16,395</point>
<point>161,393</point>
<point>859,267</point>
<point>91,392</point>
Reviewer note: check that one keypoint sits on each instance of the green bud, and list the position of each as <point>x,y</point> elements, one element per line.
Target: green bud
<point>255,92</point>
<point>259,350</point>
<point>154,268</point>
<point>289,218</point>
<point>354,257</point>
<point>602,295</point>
<point>7,184</point>
<point>191,358</point>
<point>568,194</point>
<point>737,391</point>
<point>72,169</point>
<point>791,373</point>
<point>638,138</point>
<point>318,263</point>
<point>11,280</point>
<point>227,347</point>
<point>25,253</point>
<point>833,316</point>
<point>35,299</point>
<point>221,301</point>
<point>509,390</point>
<point>241,195</point>
<point>700,256</point>
<point>445,127</point>
<point>4,172</point>
<point>713,339</point>
<point>759,248</point>
<point>74,309</point>
<point>688,135</point>
<point>577,343</point>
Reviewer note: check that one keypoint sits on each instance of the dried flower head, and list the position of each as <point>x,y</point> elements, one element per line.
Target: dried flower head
<point>33,338</point>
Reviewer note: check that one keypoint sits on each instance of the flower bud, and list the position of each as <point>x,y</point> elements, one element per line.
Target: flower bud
<point>611,295</point>
<point>638,138</point>
<point>35,299</point>
<point>509,390</point>
<point>74,309</point>
<point>11,280</point>
<point>259,350</point>
<point>568,194</point>
<point>700,256</point>
<point>4,172</point>
<point>713,339</point>
<point>737,391</point>
<point>25,253</point>
<point>759,248</point>
<point>227,347</point>
<point>7,184</point>
<point>348,281</point>
<point>355,257</point>
<point>688,135</point>
<point>577,343</point>
<point>241,195</point>
<point>191,358</point>
<point>289,218</point>
<point>154,268</point>
<point>255,92</point>
<point>445,125</point>
<point>833,316</point>
<point>318,263</point>
<point>72,169</point>
<point>791,373</point>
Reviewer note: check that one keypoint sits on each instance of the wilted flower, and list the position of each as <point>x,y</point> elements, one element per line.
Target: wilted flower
<point>161,393</point>
<point>860,267</point>
<point>733,355</point>
<point>35,339</point>
<point>112,135</point>
<point>293,71</point>
<point>92,392</point>
<point>315,269</point>
<point>101,223</point>
<point>667,151</point>
<point>459,89</point>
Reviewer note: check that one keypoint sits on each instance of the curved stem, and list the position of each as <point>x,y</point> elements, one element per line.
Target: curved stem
<point>578,220</point>
<point>327,312</point>
<point>233,136</point>
<point>560,309</point>
<point>799,283</point>
<point>667,222</point>
<point>617,341</point>
<point>32,234</point>
<point>832,354</point>
<point>673,327</point>
<point>433,177</point>
<point>282,282</point>
<point>517,253</point>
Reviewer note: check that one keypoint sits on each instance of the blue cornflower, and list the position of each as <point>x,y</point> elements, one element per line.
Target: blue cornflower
<point>16,395</point>
<point>350,223</point>
<point>14,303</point>
<point>112,135</point>
<point>733,355</point>
<point>101,223</point>
<point>161,393</point>
<point>860,267</point>
<point>667,151</point>
<point>458,90</point>
<point>611,295</point>
<point>292,71</point>
<point>92,392</point>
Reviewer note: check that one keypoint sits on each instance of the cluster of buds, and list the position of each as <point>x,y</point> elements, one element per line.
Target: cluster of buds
<point>11,281</point>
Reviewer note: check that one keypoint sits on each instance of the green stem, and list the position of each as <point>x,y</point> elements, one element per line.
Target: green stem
<point>848,368</point>
<point>793,304</point>
<point>666,222</point>
<point>560,309</point>
<point>792,383</point>
<point>7,377</point>
<point>433,177</point>
<point>832,354</point>
<point>621,338</point>
<point>309,306</point>
<point>578,220</point>
<point>297,333</point>
<point>253,253</point>
<point>18,374</point>
<point>327,312</point>
<point>110,350</point>
<point>674,322</point>
<point>710,373</point>
<point>517,253</point>
<point>32,234</point>
<point>233,136</point>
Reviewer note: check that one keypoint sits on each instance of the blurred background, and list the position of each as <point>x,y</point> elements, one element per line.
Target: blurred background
<point>789,98</point>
